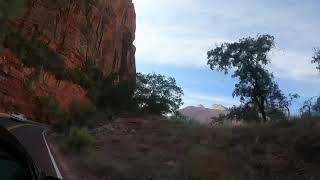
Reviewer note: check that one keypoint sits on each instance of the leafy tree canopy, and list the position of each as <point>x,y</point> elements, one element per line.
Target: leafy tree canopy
<point>248,59</point>
<point>158,94</point>
<point>316,106</point>
<point>316,58</point>
<point>286,102</point>
<point>307,107</point>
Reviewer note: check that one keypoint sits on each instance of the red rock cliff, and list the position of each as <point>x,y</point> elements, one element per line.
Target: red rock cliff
<point>103,31</point>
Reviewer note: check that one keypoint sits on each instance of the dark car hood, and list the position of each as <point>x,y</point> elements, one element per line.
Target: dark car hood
<point>12,145</point>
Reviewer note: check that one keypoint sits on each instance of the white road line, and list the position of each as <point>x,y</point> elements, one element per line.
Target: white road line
<point>51,157</point>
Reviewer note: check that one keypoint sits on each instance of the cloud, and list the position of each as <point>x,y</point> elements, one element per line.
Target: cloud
<point>194,98</point>
<point>180,32</point>
<point>293,65</point>
<point>177,45</point>
<point>162,46</point>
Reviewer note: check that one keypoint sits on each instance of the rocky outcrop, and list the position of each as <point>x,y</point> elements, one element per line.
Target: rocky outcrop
<point>218,107</point>
<point>15,97</point>
<point>102,31</point>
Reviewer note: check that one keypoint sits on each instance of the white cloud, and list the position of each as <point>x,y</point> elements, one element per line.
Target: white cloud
<point>174,45</point>
<point>159,46</point>
<point>293,65</point>
<point>180,32</point>
<point>195,98</point>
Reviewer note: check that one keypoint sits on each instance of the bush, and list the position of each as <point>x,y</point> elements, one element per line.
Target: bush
<point>63,123</point>
<point>78,138</point>
<point>78,77</point>
<point>31,79</point>
<point>49,108</point>
<point>277,115</point>
<point>80,115</point>
<point>34,53</point>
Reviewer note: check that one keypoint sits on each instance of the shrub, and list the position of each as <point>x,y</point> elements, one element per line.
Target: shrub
<point>76,116</point>
<point>31,79</point>
<point>78,138</point>
<point>49,108</point>
<point>277,115</point>
<point>78,77</point>
<point>80,115</point>
<point>34,53</point>
<point>63,123</point>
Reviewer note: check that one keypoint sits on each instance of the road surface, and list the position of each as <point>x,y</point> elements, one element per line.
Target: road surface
<point>32,137</point>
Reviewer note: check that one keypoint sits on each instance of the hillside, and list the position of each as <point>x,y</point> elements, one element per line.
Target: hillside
<point>64,34</point>
<point>157,148</point>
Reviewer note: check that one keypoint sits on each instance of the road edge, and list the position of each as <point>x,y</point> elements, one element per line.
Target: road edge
<point>51,156</point>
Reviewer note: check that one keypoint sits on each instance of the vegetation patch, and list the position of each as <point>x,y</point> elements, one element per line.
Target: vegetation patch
<point>28,82</point>
<point>34,53</point>
<point>159,148</point>
<point>77,139</point>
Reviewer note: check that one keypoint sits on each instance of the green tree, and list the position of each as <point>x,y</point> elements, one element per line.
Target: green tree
<point>306,109</point>
<point>80,113</point>
<point>248,58</point>
<point>245,112</point>
<point>287,102</point>
<point>48,107</point>
<point>316,106</point>
<point>34,53</point>
<point>28,82</point>
<point>110,94</point>
<point>316,58</point>
<point>9,9</point>
<point>157,94</point>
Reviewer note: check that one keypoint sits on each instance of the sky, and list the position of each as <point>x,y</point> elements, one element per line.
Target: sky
<point>173,37</point>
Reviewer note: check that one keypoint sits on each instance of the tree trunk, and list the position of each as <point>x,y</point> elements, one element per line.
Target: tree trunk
<point>309,111</point>
<point>288,110</point>
<point>262,110</point>
<point>264,115</point>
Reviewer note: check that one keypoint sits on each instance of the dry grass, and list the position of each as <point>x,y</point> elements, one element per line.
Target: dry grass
<point>154,148</point>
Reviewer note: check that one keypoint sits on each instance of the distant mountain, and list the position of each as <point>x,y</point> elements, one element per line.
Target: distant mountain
<point>218,107</point>
<point>202,114</point>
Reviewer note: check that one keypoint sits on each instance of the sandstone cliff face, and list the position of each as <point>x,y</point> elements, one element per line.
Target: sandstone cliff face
<point>15,97</point>
<point>103,30</point>
<point>104,33</point>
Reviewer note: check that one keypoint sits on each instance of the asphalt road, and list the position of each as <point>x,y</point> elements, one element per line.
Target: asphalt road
<point>31,136</point>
